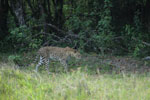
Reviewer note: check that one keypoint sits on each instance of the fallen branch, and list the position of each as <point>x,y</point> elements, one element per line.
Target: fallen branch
<point>69,36</point>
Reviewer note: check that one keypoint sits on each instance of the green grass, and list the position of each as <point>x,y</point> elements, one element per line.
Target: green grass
<point>74,85</point>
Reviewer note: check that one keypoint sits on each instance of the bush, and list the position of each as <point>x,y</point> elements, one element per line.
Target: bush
<point>21,39</point>
<point>95,33</point>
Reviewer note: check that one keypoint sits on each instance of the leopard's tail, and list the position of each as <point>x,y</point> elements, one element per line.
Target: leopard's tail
<point>36,59</point>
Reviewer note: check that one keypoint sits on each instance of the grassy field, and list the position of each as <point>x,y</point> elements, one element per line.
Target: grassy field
<point>24,84</point>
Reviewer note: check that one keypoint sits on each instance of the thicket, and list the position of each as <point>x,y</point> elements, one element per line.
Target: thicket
<point>101,26</point>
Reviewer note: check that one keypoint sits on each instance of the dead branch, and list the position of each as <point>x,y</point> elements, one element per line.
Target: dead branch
<point>145,43</point>
<point>68,35</point>
<point>56,28</point>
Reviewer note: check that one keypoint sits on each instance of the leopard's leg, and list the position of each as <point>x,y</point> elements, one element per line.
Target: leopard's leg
<point>39,63</point>
<point>47,62</point>
<point>64,63</point>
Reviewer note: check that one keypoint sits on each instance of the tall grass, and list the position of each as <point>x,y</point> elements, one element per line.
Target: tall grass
<point>75,85</point>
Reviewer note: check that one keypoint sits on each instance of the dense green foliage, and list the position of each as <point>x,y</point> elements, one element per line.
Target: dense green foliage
<point>101,26</point>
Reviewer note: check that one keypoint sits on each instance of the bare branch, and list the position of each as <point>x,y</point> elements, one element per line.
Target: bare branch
<point>145,43</point>
<point>56,28</point>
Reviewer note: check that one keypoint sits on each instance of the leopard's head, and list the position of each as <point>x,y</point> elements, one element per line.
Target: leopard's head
<point>73,53</point>
<point>76,54</point>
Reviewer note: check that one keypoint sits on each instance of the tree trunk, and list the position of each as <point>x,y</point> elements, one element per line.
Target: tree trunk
<point>58,7</point>
<point>17,7</point>
<point>146,16</point>
<point>147,12</point>
<point>3,18</point>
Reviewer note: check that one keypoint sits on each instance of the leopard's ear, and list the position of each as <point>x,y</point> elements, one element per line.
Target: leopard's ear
<point>67,47</point>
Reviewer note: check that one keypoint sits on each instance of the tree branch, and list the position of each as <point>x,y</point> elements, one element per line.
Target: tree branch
<point>145,43</point>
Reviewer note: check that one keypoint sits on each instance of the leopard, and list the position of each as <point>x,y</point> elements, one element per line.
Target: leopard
<point>52,53</point>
